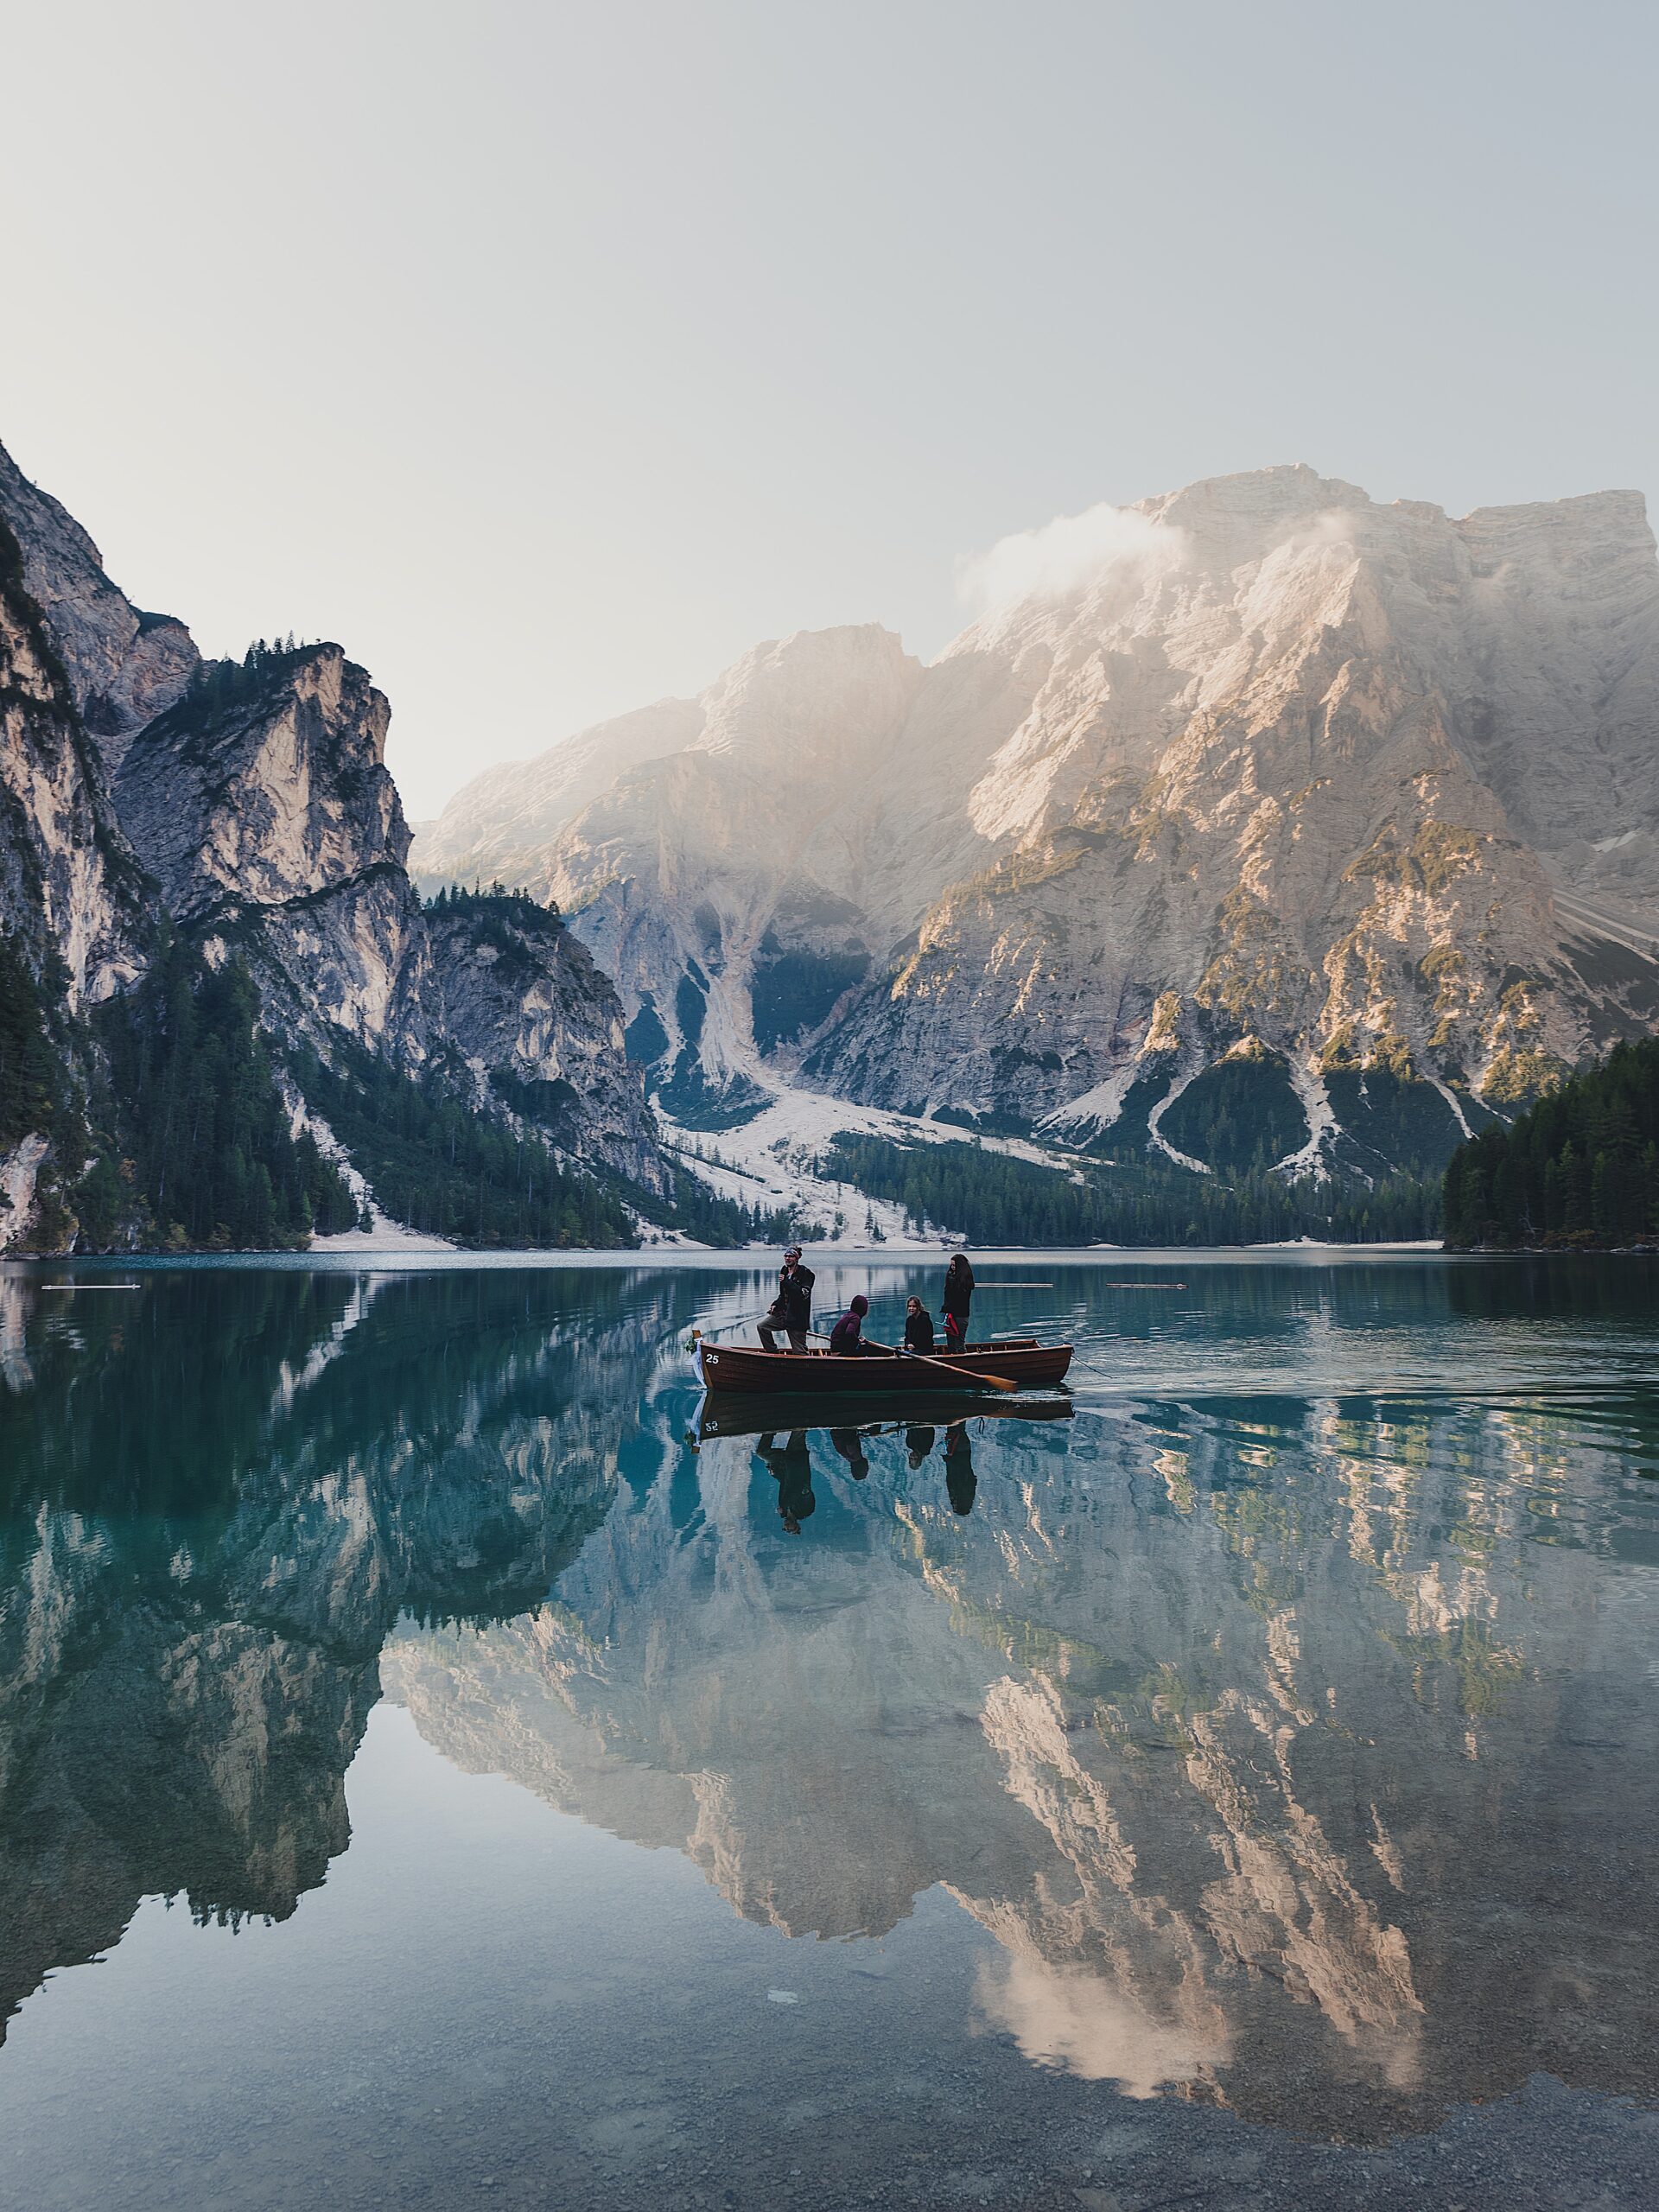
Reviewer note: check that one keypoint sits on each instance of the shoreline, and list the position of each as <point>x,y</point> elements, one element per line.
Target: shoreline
<point>758,1260</point>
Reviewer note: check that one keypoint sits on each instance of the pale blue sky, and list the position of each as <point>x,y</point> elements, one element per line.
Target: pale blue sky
<point>548,357</point>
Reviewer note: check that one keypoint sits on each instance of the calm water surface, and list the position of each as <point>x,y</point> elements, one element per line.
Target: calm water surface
<point>437,1768</point>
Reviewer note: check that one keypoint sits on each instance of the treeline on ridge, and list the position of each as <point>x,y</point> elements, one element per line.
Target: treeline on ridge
<point>1579,1168</point>
<point>994,1197</point>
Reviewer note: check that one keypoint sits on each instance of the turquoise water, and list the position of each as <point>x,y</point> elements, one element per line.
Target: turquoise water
<point>436,1767</point>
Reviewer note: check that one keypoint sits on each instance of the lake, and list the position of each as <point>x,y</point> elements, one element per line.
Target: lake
<point>437,1767</point>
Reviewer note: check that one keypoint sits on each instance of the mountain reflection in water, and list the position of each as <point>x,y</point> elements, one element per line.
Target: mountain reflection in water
<point>1296,1751</point>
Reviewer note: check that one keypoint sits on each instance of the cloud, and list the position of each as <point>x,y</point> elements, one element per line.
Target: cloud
<point>1063,557</point>
<point>1084,2022</point>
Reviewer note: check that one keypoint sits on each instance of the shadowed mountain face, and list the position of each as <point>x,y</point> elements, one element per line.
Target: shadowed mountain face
<point>1292,1752</point>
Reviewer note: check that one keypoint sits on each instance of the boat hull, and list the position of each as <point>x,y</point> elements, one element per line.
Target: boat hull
<point>729,1369</point>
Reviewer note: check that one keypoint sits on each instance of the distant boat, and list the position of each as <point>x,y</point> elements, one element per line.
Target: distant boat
<point>725,1368</point>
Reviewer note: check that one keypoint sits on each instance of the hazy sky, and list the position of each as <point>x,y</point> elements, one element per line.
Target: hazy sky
<point>548,356</point>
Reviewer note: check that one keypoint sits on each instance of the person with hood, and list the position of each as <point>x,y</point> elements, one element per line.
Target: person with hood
<point>958,1298</point>
<point>847,1337</point>
<point>850,1442</point>
<point>792,1310</point>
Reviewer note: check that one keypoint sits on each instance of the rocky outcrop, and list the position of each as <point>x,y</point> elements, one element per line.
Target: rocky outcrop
<point>255,797</point>
<point>262,803</point>
<point>72,921</point>
<point>1286,804</point>
<point>71,892</point>
<point>541,1029</point>
<point>123,666</point>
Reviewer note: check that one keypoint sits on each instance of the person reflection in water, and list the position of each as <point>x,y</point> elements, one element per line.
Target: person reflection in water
<point>918,1442</point>
<point>850,1444</point>
<point>960,1481</point>
<point>790,1466</point>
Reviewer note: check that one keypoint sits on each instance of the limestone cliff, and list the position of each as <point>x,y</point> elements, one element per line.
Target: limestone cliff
<point>72,921</point>
<point>541,1029</point>
<point>255,798</point>
<point>261,803</point>
<point>123,666</point>
<point>71,892</point>
<point>1339,814</point>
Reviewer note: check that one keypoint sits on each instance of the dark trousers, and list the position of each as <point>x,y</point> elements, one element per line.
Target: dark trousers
<point>955,1331</point>
<point>768,1334</point>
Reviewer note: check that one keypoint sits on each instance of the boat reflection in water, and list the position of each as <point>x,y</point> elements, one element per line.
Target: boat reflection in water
<point>782,1430</point>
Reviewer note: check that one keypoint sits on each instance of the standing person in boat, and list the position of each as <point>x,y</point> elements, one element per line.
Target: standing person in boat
<point>918,1328</point>
<point>960,1483</point>
<point>847,1338</point>
<point>790,1466</point>
<point>958,1298</point>
<point>792,1310</point>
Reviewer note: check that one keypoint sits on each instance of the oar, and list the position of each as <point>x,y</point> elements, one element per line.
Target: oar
<point>923,1359</point>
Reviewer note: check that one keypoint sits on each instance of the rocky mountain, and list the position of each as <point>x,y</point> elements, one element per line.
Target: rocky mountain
<point>248,806</point>
<point>72,895</point>
<point>73,919</point>
<point>541,1028</point>
<point>1335,820</point>
<point>124,667</point>
<point>261,804</point>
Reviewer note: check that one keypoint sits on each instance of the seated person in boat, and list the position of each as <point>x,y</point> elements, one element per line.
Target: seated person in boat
<point>792,1310</point>
<point>847,1337</point>
<point>918,1328</point>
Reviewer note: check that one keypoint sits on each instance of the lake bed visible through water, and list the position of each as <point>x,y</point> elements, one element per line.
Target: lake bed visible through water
<point>440,1765</point>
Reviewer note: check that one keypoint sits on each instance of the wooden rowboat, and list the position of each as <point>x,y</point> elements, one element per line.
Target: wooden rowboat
<point>727,1368</point>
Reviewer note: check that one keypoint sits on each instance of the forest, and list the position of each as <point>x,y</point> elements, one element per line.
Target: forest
<point>1579,1168</point>
<point>190,1146</point>
<point>993,1197</point>
<point>197,1142</point>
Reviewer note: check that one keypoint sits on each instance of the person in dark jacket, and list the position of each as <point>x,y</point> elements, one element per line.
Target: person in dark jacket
<point>960,1483</point>
<point>958,1298</point>
<point>792,1310</point>
<point>847,1337</point>
<point>918,1327</point>
<point>791,1467</point>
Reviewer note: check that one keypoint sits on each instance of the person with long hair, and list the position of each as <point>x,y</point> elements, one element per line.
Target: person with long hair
<point>958,1299</point>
